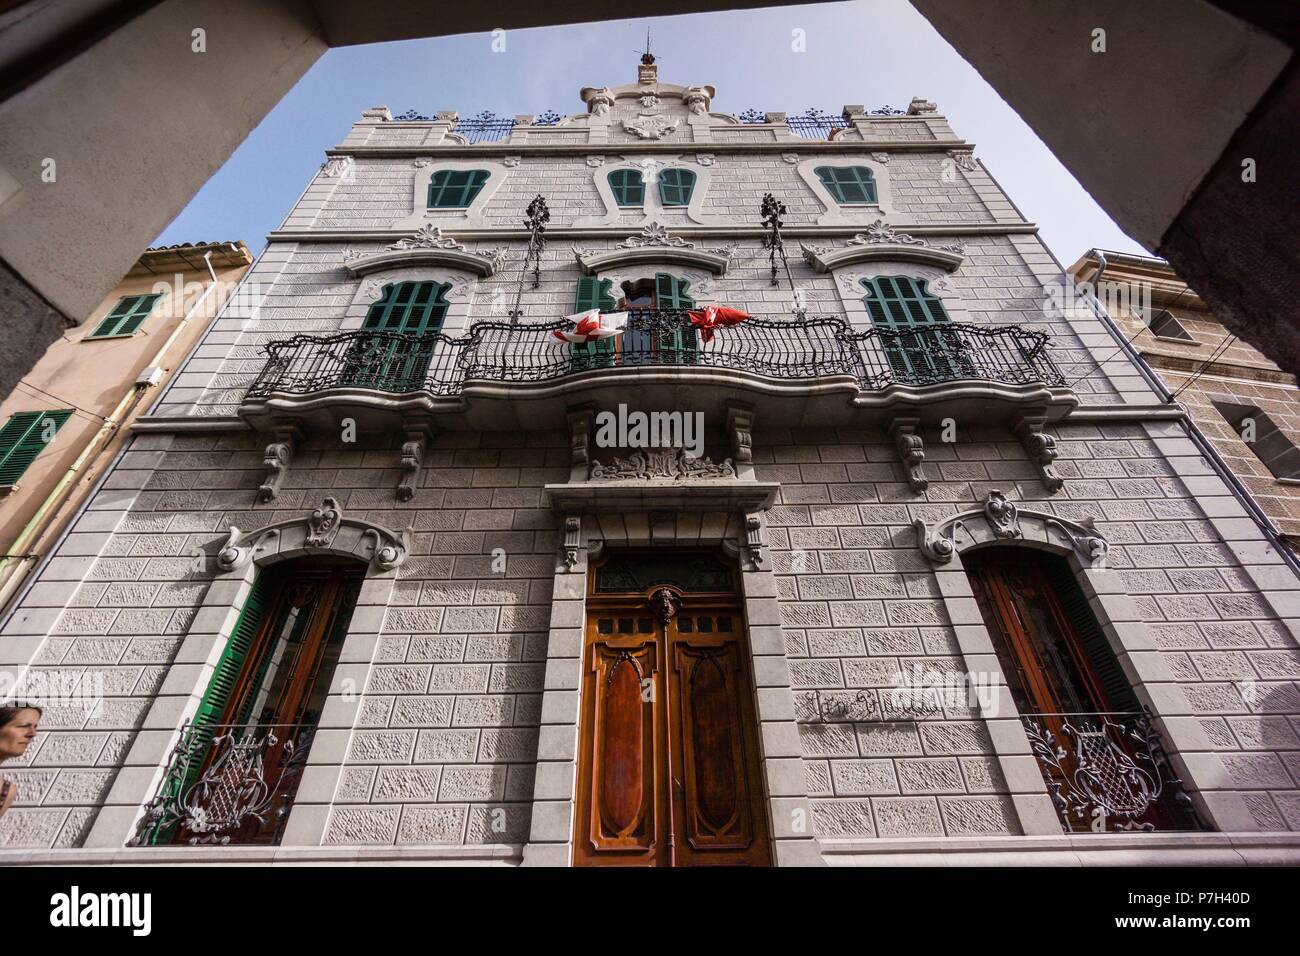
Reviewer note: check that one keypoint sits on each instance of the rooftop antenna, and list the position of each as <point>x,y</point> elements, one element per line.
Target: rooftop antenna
<point>647,57</point>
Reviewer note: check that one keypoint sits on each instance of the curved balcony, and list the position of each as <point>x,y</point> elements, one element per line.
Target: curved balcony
<point>824,360</point>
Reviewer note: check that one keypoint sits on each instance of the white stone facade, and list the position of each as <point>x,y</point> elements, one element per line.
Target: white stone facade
<point>450,732</point>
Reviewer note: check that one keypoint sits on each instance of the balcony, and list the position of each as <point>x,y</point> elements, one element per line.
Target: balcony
<point>227,785</point>
<point>1108,772</point>
<point>821,359</point>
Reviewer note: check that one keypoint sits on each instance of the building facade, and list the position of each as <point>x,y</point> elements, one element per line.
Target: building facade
<point>406,564</point>
<point>1240,400</point>
<point>68,418</point>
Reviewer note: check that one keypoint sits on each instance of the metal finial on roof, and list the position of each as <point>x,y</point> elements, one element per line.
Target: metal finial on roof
<point>647,57</point>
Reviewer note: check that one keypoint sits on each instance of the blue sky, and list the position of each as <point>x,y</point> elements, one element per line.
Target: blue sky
<point>873,52</point>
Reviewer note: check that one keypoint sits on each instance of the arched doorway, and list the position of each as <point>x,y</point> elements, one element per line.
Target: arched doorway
<point>669,766</point>
<point>1100,755</point>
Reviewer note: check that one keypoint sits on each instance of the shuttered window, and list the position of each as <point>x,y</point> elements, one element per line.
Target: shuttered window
<point>923,354</point>
<point>628,187</point>
<point>24,437</point>
<point>848,184</point>
<point>416,308</point>
<point>593,293</point>
<point>125,317</point>
<point>1096,647</point>
<point>676,186</point>
<point>455,188</point>
<point>679,347</point>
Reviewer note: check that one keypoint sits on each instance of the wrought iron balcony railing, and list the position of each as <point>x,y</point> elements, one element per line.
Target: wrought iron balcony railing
<point>1109,772</point>
<point>804,349</point>
<point>227,784</point>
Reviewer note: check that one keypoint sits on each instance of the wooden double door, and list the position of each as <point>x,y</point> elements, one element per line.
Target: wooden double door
<point>669,765</point>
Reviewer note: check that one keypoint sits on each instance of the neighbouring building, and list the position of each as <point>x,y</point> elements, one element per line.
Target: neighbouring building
<point>406,564</point>
<point>68,417</point>
<point>1242,402</point>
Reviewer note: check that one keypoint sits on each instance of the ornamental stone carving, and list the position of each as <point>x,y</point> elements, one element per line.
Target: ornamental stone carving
<point>964,158</point>
<point>277,458</point>
<point>428,237</point>
<point>705,159</point>
<point>672,464</point>
<point>911,451</point>
<point>322,529</point>
<point>1002,519</point>
<point>650,127</point>
<point>595,161</point>
<point>337,167</point>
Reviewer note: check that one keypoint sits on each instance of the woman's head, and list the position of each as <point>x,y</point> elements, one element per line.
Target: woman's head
<point>18,726</point>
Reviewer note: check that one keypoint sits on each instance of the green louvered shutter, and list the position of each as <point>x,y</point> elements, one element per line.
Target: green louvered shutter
<point>1101,656</point>
<point>217,697</point>
<point>679,347</point>
<point>593,293</point>
<point>23,438</point>
<point>924,354</point>
<point>125,317</point>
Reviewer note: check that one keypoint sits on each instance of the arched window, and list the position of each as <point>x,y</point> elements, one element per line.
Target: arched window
<point>676,186</point>
<point>414,308</point>
<point>628,187</point>
<point>848,184</point>
<point>455,188</point>
<point>911,320</point>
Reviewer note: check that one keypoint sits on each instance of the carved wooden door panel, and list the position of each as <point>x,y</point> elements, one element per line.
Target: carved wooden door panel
<point>669,766</point>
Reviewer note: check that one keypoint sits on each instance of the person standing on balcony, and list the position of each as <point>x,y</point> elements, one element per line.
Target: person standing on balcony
<point>18,726</point>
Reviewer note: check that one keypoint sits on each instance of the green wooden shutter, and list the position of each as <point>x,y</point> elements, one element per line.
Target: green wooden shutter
<point>848,184</point>
<point>125,317</point>
<point>681,346</point>
<point>676,186</point>
<point>593,293</point>
<point>628,187</point>
<point>23,438</point>
<point>1114,683</point>
<point>923,354</point>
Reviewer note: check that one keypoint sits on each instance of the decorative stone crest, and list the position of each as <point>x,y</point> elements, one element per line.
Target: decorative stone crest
<point>911,450</point>
<point>655,235</point>
<point>650,127</point>
<point>878,232</point>
<point>671,464</point>
<point>697,101</point>
<point>1004,520</point>
<point>428,236</point>
<point>511,161</point>
<point>704,159</point>
<point>649,99</point>
<point>919,106</point>
<point>422,162</point>
<point>323,523</point>
<point>790,158</point>
<point>595,161</point>
<point>882,158</point>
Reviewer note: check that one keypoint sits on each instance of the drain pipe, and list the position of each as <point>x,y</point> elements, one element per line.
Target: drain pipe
<point>19,562</point>
<point>1193,433</point>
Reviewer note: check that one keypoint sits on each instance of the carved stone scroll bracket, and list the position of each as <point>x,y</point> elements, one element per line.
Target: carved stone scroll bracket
<point>754,543</point>
<point>1002,519</point>
<point>1041,449</point>
<point>278,457</point>
<point>579,418</point>
<point>239,549</point>
<point>572,542</point>
<point>911,450</point>
<point>418,436</point>
<point>740,429</point>
<point>320,530</point>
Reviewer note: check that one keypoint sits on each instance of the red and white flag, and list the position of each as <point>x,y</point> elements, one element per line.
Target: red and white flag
<point>592,326</point>
<point>715,316</point>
